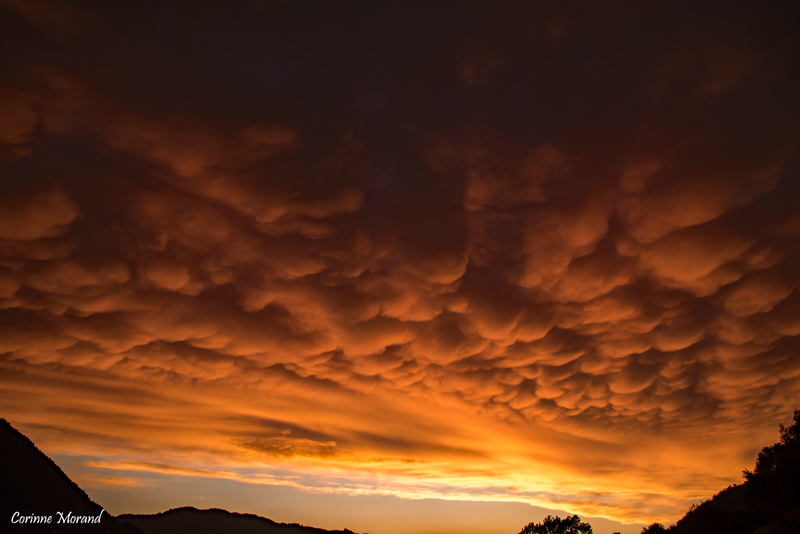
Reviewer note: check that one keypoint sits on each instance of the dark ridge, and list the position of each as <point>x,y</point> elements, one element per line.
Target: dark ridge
<point>32,484</point>
<point>768,502</point>
<point>189,520</point>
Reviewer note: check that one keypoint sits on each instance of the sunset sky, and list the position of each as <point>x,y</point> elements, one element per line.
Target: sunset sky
<point>402,267</point>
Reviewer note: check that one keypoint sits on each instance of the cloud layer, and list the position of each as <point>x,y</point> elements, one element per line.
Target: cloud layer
<point>546,254</point>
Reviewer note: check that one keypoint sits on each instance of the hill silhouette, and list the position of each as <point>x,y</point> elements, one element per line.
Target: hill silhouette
<point>188,520</point>
<point>768,502</point>
<point>33,484</point>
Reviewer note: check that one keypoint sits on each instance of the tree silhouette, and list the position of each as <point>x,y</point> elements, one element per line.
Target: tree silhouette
<point>767,497</point>
<point>556,525</point>
<point>782,456</point>
<point>655,528</point>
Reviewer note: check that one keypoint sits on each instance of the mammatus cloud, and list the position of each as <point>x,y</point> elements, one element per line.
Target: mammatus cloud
<point>478,263</point>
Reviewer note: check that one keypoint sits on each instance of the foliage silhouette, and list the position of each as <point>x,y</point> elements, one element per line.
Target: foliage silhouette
<point>770,495</point>
<point>556,525</point>
<point>779,458</point>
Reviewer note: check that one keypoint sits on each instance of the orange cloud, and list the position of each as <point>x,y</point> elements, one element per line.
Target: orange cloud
<point>31,215</point>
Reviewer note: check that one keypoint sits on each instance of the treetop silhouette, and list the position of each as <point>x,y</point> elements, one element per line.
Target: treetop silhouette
<point>781,456</point>
<point>655,528</point>
<point>556,525</point>
<point>769,498</point>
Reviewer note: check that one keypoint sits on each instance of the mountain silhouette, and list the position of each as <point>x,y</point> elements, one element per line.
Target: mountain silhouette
<point>768,502</point>
<point>31,484</point>
<point>190,520</point>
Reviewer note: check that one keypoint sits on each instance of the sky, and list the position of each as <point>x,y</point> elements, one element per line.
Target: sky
<point>404,267</point>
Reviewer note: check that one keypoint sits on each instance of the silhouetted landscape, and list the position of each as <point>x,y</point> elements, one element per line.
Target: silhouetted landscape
<point>32,484</point>
<point>768,502</point>
<point>191,520</point>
